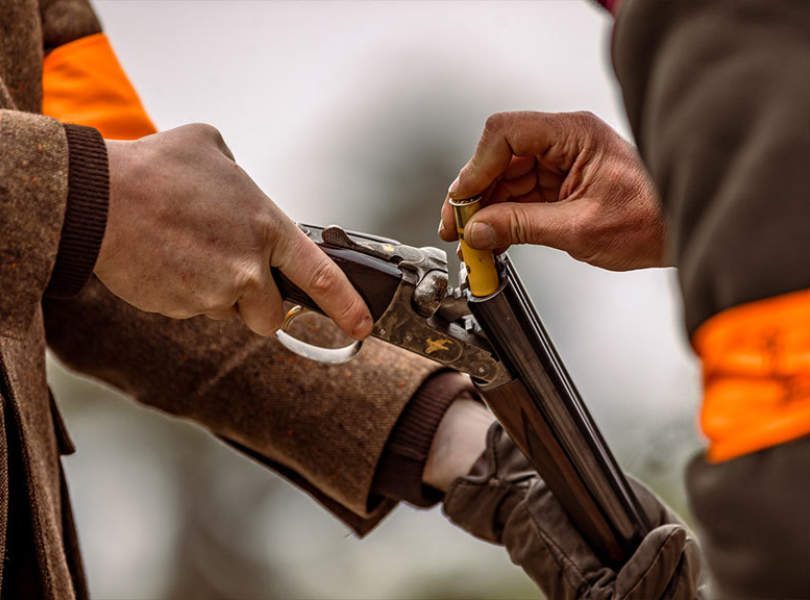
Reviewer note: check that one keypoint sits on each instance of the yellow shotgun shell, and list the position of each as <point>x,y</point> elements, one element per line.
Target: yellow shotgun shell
<point>482,275</point>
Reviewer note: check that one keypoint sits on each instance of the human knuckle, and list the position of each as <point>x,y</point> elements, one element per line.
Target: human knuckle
<point>467,175</point>
<point>249,279</point>
<point>596,129</point>
<point>580,125</point>
<point>495,122</point>
<point>323,278</point>
<point>207,130</point>
<point>265,226</point>
<point>353,310</point>
<point>519,226</point>
<point>585,117</point>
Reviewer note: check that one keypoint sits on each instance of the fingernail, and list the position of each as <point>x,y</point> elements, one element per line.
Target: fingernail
<point>441,228</point>
<point>363,329</point>
<point>451,190</point>
<point>481,235</point>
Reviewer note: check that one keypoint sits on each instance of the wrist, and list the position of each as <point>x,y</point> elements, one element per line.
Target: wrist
<point>400,471</point>
<point>123,172</point>
<point>459,441</point>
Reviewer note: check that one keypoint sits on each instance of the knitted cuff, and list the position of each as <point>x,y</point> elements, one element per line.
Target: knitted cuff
<point>399,472</point>
<point>85,214</point>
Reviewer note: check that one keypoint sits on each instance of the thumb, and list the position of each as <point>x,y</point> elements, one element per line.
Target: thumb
<point>506,223</point>
<point>651,569</point>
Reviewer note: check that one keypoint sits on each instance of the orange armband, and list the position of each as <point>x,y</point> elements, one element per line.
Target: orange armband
<point>756,375</point>
<point>83,83</point>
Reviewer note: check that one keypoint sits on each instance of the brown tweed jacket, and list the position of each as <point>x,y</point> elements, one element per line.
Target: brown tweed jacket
<point>322,429</point>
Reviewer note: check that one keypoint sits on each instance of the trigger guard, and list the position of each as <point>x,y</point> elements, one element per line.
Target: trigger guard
<point>330,356</point>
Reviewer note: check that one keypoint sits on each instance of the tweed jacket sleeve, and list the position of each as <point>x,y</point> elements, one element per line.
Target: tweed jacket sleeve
<point>327,424</point>
<point>33,196</point>
<point>50,173</point>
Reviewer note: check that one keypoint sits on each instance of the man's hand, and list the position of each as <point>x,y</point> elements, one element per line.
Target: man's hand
<point>563,180</point>
<point>190,233</point>
<point>458,442</point>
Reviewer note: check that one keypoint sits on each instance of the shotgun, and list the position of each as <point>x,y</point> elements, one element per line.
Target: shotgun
<point>487,327</point>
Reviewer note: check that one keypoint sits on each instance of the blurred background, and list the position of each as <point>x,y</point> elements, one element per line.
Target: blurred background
<point>360,114</point>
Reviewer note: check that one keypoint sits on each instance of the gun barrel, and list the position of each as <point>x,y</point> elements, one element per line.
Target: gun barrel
<point>544,414</point>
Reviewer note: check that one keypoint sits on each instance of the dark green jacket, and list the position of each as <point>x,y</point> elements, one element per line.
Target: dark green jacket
<point>718,96</point>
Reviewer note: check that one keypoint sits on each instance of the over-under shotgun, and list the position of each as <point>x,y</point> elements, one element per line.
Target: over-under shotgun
<point>489,329</point>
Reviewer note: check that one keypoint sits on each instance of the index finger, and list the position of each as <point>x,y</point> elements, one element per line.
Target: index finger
<point>517,167</point>
<point>447,225</point>
<point>493,154</point>
<point>308,267</point>
<point>511,134</point>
